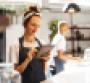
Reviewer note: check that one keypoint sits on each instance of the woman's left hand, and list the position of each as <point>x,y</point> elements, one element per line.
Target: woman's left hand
<point>45,58</point>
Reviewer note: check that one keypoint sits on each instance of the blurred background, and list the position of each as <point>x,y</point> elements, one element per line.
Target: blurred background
<point>11,15</point>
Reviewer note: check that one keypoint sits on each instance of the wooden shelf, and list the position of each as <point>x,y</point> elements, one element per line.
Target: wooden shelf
<point>80,28</point>
<point>75,39</point>
<point>75,52</point>
<point>77,36</point>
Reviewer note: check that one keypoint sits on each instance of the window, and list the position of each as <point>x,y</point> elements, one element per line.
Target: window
<point>59,1</point>
<point>39,2</point>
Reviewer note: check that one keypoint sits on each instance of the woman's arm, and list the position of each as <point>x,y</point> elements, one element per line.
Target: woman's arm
<point>23,66</point>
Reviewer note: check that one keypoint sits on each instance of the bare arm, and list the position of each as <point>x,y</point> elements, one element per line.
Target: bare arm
<point>23,66</point>
<point>63,56</point>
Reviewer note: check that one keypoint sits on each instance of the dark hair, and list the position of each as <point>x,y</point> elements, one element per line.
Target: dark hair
<point>32,9</point>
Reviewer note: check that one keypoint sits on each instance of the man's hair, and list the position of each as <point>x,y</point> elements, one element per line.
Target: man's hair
<point>63,24</point>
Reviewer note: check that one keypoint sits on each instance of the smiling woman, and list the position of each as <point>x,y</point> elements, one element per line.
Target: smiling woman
<point>24,51</point>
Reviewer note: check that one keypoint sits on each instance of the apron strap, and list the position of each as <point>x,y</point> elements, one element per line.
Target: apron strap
<point>38,41</point>
<point>21,39</point>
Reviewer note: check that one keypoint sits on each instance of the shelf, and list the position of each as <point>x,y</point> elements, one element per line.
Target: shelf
<point>75,52</point>
<point>78,35</point>
<point>75,39</point>
<point>80,28</point>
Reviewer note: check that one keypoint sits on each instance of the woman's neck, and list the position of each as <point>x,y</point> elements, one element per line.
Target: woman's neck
<point>29,38</point>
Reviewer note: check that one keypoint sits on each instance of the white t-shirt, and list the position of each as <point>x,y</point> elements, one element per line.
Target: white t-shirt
<point>59,43</point>
<point>14,50</point>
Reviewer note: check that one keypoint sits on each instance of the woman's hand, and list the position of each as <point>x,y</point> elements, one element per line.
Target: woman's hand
<point>30,56</point>
<point>45,57</point>
<point>31,53</point>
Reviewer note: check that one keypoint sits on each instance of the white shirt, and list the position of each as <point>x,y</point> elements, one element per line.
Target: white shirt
<point>59,43</point>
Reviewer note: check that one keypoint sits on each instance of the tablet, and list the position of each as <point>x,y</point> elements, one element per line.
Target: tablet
<point>44,50</point>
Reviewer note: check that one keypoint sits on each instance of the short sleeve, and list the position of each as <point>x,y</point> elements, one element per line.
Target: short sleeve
<point>14,54</point>
<point>61,45</point>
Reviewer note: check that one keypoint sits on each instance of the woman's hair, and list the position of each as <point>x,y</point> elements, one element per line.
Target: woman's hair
<point>33,11</point>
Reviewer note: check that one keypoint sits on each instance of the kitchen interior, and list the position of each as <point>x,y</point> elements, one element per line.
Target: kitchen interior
<point>78,37</point>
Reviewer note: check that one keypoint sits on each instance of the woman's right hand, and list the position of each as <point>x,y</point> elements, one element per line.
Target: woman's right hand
<point>32,52</point>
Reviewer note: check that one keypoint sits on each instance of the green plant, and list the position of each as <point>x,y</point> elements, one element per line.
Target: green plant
<point>53,29</point>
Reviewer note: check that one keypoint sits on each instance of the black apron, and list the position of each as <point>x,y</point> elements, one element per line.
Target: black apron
<point>34,73</point>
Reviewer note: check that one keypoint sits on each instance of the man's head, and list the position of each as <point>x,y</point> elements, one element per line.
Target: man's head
<point>63,27</point>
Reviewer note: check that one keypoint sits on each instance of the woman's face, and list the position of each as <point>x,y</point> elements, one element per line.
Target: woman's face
<point>33,25</point>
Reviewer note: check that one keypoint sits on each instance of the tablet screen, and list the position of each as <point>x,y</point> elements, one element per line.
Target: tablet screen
<point>44,50</point>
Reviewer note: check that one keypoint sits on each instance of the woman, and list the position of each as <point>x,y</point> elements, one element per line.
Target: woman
<point>23,53</point>
<point>59,42</point>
